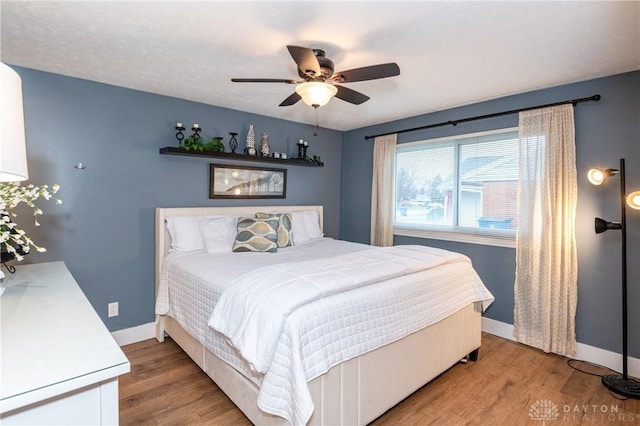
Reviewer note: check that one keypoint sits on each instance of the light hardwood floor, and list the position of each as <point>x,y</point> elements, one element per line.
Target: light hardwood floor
<point>505,386</point>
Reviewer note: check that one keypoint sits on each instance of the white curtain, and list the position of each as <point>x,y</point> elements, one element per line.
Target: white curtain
<point>382,190</point>
<point>546,283</point>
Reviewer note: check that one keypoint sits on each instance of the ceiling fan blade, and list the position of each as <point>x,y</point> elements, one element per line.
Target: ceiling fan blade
<point>290,100</point>
<point>351,96</point>
<point>372,72</point>
<point>306,60</point>
<point>263,80</point>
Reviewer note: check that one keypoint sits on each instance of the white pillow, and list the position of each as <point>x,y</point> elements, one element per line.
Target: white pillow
<point>298,228</point>
<point>185,233</point>
<point>305,225</point>
<point>218,233</point>
<point>312,224</point>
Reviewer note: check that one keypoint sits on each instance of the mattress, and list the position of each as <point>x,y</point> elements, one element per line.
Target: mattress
<point>322,333</point>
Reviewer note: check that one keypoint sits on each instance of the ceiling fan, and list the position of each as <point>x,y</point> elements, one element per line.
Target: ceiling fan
<point>318,84</point>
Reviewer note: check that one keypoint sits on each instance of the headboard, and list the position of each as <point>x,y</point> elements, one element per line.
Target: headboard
<point>163,239</point>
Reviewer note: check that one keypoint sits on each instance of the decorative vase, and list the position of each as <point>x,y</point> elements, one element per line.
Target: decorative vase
<point>250,147</point>
<point>233,143</point>
<point>264,145</point>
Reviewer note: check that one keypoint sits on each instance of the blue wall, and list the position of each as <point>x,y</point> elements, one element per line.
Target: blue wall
<point>605,132</point>
<point>104,230</point>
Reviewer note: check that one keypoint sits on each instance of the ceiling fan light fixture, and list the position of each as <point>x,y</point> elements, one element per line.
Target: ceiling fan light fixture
<point>316,93</point>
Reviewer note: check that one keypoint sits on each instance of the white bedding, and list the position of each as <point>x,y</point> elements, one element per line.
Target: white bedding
<point>322,333</point>
<point>252,310</point>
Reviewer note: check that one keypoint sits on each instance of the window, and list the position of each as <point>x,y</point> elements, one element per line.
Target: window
<point>462,188</point>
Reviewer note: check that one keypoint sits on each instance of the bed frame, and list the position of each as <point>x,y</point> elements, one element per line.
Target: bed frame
<point>356,391</point>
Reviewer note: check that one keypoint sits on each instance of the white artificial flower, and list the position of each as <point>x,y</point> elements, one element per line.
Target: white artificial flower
<point>12,194</point>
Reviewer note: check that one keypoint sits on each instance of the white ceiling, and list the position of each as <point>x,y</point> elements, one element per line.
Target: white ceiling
<point>449,53</point>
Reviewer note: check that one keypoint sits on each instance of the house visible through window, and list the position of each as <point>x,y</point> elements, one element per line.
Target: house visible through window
<point>465,184</point>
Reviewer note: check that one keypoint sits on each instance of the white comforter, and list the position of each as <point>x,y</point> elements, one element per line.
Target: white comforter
<point>320,334</point>
<point>266,313</point>
<point>252,311</point>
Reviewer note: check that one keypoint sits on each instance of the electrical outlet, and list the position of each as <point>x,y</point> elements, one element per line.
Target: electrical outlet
<point>112,309</point>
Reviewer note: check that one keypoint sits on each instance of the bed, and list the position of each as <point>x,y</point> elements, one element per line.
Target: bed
<point>324,365</point>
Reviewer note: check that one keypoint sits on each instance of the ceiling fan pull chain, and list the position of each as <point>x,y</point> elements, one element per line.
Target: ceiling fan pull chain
<point>315,130</point>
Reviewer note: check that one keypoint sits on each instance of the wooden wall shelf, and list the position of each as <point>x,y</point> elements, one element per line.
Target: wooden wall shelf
<point>169,150</point>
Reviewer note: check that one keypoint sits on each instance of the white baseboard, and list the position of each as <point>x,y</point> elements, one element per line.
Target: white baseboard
<point>584,352</point>
<point>612,360</point>
<point>135,334</point>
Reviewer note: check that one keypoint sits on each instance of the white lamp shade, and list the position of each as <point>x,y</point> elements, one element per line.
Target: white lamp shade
<point>13,152</point>
<point>316,93</point>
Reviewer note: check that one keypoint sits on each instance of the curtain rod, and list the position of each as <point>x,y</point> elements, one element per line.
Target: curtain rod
<point>482,117</point>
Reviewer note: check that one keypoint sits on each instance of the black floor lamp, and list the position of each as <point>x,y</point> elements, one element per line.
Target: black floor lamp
<point>619,384</point>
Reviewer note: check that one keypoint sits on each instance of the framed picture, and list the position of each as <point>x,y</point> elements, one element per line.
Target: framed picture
<point>247,182</point>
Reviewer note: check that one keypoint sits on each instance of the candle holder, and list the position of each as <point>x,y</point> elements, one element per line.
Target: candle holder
<point>233,142</point>
<point>301,150</point>
<point>180,135</point>
<point>196,131</point>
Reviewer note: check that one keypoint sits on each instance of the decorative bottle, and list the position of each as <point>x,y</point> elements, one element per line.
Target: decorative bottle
<point>250,147</point>
<point>264,144</point>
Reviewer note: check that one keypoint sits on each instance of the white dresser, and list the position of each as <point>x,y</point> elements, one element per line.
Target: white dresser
<point>59,363</point>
